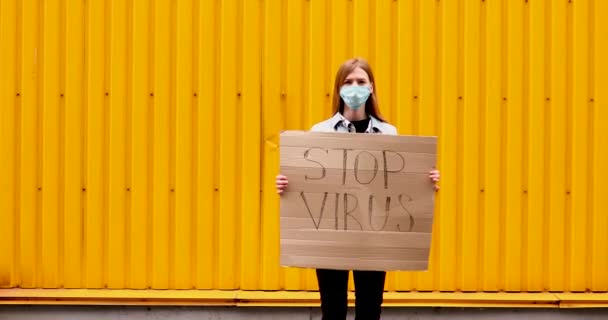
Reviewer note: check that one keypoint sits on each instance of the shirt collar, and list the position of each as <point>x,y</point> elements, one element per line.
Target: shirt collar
<point>339,120</point>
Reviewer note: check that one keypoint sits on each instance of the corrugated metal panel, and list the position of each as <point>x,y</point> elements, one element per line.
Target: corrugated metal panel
<point>140,138</point>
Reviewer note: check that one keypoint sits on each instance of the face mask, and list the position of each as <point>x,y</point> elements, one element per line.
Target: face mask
<point>355,96</point>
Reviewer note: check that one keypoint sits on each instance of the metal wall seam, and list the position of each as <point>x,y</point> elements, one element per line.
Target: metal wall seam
<point>208,133</point>
<point>469,102</point>
<point>515,160</point>
<point>581,173</point>
<point>536,135</point>
<point>492,151</point>
<point>186,97</point>
<point>96,124</point>
<point>448,134</point>
<point>251,147</point>
<point>8,145</point>
<point>557,148</point>
<point>271,277</point>
<point>74,145</point>
<point>28,202</point>
<point>600,154</point>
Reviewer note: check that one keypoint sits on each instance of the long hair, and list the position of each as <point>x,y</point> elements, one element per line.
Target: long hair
<point>371,105</point>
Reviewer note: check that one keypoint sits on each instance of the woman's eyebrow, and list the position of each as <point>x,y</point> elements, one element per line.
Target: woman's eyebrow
<point>347,79</point>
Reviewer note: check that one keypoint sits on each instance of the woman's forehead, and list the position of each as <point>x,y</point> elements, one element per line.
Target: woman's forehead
<point>358,73</point>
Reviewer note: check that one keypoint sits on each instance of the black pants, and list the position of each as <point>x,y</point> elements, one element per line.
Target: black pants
<point>333,286</point>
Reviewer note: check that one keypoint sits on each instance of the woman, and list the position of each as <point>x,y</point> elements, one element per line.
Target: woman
<point>356,110</point>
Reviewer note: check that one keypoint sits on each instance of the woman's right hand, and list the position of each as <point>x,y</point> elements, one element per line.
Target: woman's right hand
<point>281,183</point>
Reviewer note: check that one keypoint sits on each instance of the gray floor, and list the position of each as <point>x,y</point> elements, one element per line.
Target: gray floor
<point>221,313</point>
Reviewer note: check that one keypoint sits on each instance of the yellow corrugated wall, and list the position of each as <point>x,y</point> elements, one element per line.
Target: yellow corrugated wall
<point>139,139</point>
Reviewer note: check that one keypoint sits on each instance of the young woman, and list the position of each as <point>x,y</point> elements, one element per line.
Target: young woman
<point>356,110</point>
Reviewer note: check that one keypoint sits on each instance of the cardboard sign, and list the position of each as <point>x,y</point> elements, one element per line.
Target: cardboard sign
<point>356,202</point>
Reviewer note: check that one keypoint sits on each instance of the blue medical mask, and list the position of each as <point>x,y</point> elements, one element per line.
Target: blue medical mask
<point>355,96</point>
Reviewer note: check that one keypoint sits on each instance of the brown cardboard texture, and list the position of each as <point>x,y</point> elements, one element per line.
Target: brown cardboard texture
<point>356,202</point>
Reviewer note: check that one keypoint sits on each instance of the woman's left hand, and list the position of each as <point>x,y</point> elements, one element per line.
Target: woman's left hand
<point>434,175</point>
